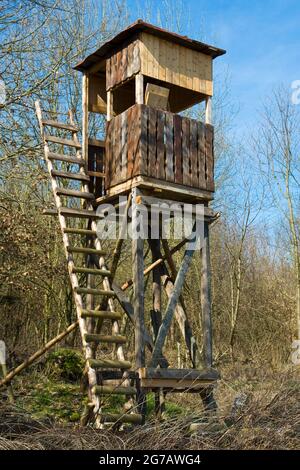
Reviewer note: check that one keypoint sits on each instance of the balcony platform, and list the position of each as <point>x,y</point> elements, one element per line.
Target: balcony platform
<point>177,380</point>
<point>165,151</point>
<point>157,188</point>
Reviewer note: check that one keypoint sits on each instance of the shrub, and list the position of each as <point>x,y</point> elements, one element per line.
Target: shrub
<point>66,363</point>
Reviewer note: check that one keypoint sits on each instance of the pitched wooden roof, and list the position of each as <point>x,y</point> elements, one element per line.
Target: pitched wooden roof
<point>140,26</point>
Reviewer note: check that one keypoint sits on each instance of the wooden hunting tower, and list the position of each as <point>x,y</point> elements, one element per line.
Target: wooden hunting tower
<point>141,79</point>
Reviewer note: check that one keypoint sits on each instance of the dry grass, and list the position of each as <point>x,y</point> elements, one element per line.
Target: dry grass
<point>269,420</point>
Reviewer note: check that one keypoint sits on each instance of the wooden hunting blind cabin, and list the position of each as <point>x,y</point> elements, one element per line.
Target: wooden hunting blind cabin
<point>141,79</point>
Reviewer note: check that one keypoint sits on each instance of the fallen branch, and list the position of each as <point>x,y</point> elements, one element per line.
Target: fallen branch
<point>37,354</point>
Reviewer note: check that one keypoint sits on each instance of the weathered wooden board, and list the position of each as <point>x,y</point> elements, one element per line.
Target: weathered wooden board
<point>161,145</point>
<point>123,64</point>
<point>97,94</point>
<point>160,162</point>
<point>152,141</point>
<point>169,136</point>
<point>209,157</point>
<point>177,64</point>
<point>186,150</point>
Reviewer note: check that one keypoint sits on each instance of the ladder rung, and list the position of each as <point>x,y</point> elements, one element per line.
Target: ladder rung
<point>65,158</point>
<point>97,174</point>
<point>80,231</point>
<point>70,176</point>
<point>96,272</point>
<point>88,251</point>
<point>80,213</point>
<point>74,193</point>
<point>59,140</point>
<point>122,418</point>
<point>116,339</point>
<point>60,125</point>
<point>111,390</point>
<point>88,290</point>
<point>50,211</point>
<point>109,364</point>
<point>105,315</point>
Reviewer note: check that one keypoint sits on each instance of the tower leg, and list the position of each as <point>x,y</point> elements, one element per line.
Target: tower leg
<point>138,292</point>
<point>207,394</point>
<point>156,321</point>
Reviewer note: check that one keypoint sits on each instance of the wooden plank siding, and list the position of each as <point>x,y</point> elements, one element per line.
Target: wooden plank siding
<point>159,59</point>
<point>175,64</point>
<point>144,141</point>
<point>123,64</point>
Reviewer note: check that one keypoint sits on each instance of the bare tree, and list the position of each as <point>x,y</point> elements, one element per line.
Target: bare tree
<point>277,145</point>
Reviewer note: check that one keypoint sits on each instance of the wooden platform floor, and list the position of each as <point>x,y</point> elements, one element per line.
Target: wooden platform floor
<point>159,188</point>
<point>177,380</point>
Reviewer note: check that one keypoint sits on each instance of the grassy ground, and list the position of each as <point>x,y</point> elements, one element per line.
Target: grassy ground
<point>47,410</point>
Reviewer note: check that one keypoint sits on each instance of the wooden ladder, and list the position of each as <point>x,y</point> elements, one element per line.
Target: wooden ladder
<point>80,242</point>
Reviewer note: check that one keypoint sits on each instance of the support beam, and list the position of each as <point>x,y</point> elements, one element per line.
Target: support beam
<point>158,262</point>
<point>138,280</point>
<point>138,293</point>
<point>139,88</point>
<point>156,289</point>
<point>206,299</point>
<point>118,247</point>
<point>128,309</point>
<point>180,314</point>
<point>156,319</point>
<point>110,106</point>
<point>85,115</point>
<point>173,299</point>
<point>171,264</point>
<point>208,110</point>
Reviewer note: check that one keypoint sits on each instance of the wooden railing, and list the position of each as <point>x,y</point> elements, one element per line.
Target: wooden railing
<point>161,145</point>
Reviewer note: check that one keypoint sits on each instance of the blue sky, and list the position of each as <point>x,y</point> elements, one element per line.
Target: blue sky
<point>262,39</point>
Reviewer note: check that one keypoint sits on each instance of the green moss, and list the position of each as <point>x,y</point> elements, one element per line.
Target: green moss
<point>65,363</point>
<point>54,399</point>
<point>172,409</point>
<point>75,416</point>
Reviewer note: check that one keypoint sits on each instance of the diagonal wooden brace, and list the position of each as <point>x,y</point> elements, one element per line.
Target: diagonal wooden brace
<point>128,309</point>
<point>180,313</point>
<point>173,300</point>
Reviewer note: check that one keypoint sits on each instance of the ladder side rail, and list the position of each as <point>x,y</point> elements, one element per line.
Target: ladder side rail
<point>92,376</point>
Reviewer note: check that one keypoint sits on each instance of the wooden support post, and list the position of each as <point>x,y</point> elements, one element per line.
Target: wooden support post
<point>110,105</point>
<point>138,292</point>
<point>173,299</point>
<point>139,89</point>
<point>118,247</point>
<point>156,321</point>
<point>85,115</point>
<point>206,299</point>
<point>208,110</point>
<point>138,281</point>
